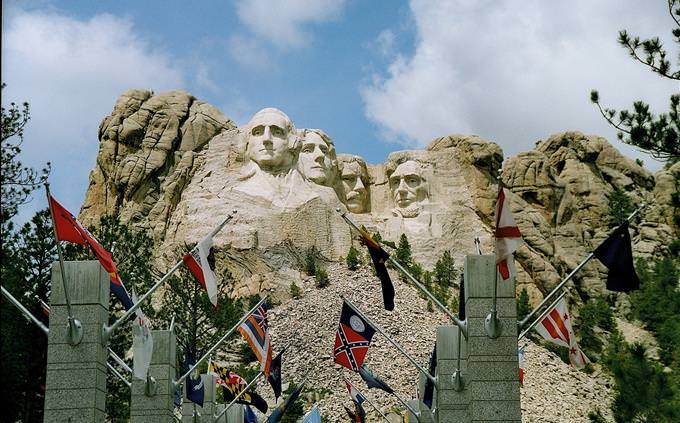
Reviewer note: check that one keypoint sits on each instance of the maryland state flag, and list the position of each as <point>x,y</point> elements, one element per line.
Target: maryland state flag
<point>69,229</point>
<point>233,385</point>
<point>379,257</point>
<point>617,255</point>
<point>352,339</point>
<point>255,330</point>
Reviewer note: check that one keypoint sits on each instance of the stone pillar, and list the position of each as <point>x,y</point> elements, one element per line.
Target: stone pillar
<point>235,414</point>
<point>491,379</point>
<point>449,404</point>
<point>203,414</point>
<point>160,406</point>
<point>75,388</point>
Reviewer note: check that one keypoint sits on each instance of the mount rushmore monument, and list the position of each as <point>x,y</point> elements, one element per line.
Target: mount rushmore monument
<point>176,166</point>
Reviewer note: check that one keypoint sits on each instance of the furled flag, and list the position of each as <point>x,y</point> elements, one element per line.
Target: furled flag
<point>142,343</point>
<point>556,327</point>
<point>279,411</point>
<point>428,393</point>
<point>508,237</point>
<point>69,229</point>
<point>379,257</point>
<point>354,416</point>
<point>249,415</point>
<point>356,396</point>
<point>374,381</point>
<point>520,356</point>
<point>314,416</point>
<point>617,255</point>
<point>197,262</point>
<point>195,387</point>
<point>352,339</point>
<point>233,385</point>
<point>274,378</point>
<point>256,331</point>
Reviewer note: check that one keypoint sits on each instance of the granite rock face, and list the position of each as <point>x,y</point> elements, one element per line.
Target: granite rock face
<point>176,166</point>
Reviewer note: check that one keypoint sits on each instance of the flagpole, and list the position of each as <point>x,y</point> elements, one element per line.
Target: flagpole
<point>543,314</point>
<point>240,394</point>
<point>115,372</point>
<point>108,330</point>
<point>570,275</point>
<point>478,246</point>
<point>415,413</point>
<point>217,344</point>
<point>401,350</point>
<point>368,400</point>
<point>75,327</point>
<point>462,325</point>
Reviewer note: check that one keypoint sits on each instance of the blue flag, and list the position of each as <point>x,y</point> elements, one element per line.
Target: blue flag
<point>617,255</point>
<point>314,416</point>
<point>279,411</point>
<point>195,388</point>
<point>249,415</point>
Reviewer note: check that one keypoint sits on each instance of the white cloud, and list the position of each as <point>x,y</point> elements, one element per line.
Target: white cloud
<point>281,22</point>
<point>515,72</point>
<point>249,52</point>
<point>71,72</point>
<point>385,42</point>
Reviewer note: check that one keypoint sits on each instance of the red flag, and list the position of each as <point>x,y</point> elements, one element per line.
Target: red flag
<point>556,328</point>
<point>352,339</point>
<point>256,331</point>
<point>508,237</point>
<point>520,357</point>
<point>69,229</point>
<point>197,262</point>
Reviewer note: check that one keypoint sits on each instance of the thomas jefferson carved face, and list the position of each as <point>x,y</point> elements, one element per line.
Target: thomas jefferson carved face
<point>355,186</point>
<point>408,188</point>
<point>271,140</point>
<point>317,157</point>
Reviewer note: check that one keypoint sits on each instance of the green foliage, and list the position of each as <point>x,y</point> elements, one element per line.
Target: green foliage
<point>352,259</point>
<point>295,291</point>
<point>310,261</point>
<point>620,207</point>
<point>430,307</point>
<point>594,313</point>
<point>523,305</point>
<point>321,277</point>
<point>445,272</point>
<point>641,128</point>
<point>17,181</point>
<point>596,417</point>
<point>403,252</point>
<point>643,390</point>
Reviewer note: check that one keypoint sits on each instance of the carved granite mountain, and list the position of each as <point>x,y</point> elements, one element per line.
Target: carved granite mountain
<point>177,166</point>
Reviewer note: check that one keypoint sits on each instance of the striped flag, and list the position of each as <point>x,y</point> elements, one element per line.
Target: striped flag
<point>356,396</point>
<point>556,328</point>
<point>255,330</point>
<point>520,356</point>
<point>508,237</point>
<point>198,264</point>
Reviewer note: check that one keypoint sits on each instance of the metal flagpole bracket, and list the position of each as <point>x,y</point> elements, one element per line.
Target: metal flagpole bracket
<point>493,325</point>
<point>151,387</point>
<point>457,380</point>
<point>74,335</point>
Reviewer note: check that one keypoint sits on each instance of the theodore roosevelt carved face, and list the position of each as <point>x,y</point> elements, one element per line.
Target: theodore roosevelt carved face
<point>409,188</point>
<point>271,141</point>
<point>354,176</point>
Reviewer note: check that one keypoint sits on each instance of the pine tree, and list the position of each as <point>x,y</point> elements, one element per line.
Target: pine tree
<point>352,259</point>
<point>523,305</point>
<point>620,207</point>
<point>403,252</point>
<point>444,270</point>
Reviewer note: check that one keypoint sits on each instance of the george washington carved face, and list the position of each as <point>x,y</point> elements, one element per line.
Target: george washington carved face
<point>271,140</point>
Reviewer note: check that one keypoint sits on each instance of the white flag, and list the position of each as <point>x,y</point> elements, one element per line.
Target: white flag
<point>142,343</point>
<point>508,237</point>
<point>556,328</point>
<point>197,262</point>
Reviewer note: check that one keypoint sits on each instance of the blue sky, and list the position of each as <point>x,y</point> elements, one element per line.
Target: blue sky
<point>377,76</point>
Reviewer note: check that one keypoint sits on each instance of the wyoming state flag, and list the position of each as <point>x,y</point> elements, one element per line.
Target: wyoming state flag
<point>352,339</point>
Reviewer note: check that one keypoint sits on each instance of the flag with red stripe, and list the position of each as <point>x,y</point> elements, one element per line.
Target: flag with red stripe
<point>508,236</point>
<point>352,339</point>
<point>255,330</point>
<point>197,262</point>
<point>69,229</point>
<point>520,357</point>
<point>556,328</point>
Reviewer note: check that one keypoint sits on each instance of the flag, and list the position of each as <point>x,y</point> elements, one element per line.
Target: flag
<point>352,339</point>
<point>520,357</point>
<point>69,229</point>
<point>195,387</point>
<point>428,393</point>
<point>374,381</point>
<point>233,385</point>
<point>279,411</point>
<point>617,255</point>
<point>274,378</point>
<point>508,237</point>
<point>142,343</point>
<point>461,300</point>
<point>356,396</point>
<point>197,262</point>
<point>256,331</point>
<point>314,416</point>
<point>379,257</point>
<point>355,417</point>
<point>556,327</point>
<point>249,415</point>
